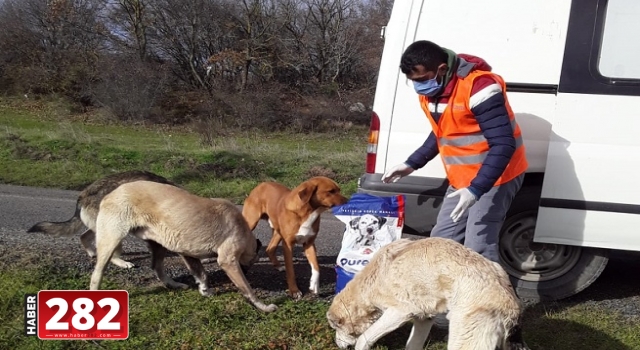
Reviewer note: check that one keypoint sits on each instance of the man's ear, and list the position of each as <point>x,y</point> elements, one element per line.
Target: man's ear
<point>299,197</point>
<point>442,70</point>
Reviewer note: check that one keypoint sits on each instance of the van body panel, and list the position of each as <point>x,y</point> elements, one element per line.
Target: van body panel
<point>388,75</point>
<point>594,163</point>
<point>588,228</point>
<point>534,112</point>
<point>524,45</point>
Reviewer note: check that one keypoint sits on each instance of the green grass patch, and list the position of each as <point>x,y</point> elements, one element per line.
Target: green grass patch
<point>46,149</point>
<point>168,319</point>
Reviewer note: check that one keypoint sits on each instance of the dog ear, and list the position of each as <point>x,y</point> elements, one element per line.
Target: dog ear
<point>381,220</point>
<point>334,321</point>
<point>354,223</point>
<point>300,196</point>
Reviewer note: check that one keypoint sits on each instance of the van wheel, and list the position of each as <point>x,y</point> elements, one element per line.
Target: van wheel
<point>543,271</point>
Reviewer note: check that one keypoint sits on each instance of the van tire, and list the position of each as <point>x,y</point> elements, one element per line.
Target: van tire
<point>576,267</point>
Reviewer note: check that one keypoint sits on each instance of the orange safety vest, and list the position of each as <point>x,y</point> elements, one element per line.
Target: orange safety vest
<point>461,143</point>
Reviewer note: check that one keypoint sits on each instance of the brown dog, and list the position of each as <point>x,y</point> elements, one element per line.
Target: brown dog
<point>294,216</point>
<point>172,219</point>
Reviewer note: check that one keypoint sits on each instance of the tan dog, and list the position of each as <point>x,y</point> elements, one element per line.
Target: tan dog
<point>294,216</point>
<point>170,218</point>
<point>87,207</point>
<point>415,280</point>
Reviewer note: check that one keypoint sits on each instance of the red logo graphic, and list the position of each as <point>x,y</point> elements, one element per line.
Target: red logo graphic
<point>83,314</point>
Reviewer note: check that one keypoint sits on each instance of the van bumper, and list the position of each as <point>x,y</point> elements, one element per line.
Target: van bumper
<point>423,198</point>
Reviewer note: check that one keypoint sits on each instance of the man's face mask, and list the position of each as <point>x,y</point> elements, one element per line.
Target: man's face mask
<point>428,87</point>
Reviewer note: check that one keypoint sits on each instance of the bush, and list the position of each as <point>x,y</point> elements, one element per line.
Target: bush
<point>129,88</point>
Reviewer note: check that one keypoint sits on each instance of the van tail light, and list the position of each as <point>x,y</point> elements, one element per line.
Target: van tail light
<point>372,143</point>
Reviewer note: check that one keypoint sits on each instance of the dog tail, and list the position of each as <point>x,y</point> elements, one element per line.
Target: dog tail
<point>65,228</point>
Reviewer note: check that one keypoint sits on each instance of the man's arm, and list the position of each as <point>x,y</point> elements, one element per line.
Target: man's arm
<point>424,153</point>
<point>487,103</point>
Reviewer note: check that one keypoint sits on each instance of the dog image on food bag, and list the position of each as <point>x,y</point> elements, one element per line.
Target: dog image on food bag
<point>372,232</point>
<point>371,222</point>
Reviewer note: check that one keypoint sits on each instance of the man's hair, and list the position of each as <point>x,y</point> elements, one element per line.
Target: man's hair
<point>424,53</point>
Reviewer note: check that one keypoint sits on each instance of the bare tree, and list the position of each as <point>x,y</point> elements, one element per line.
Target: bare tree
<point>322,36</point>
<point>228,48</point>
<point>256,20</point>
<point>129,88</point>
<point>187,34</point>
<point>290,56</point>
<point>59,38</point>
<point>130,21</point>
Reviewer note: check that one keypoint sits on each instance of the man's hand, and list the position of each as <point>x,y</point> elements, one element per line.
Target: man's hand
<point>467,199</point>
<point>396,173</point>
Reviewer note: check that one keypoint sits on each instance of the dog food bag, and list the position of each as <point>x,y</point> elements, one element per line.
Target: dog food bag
<point>370,223</point>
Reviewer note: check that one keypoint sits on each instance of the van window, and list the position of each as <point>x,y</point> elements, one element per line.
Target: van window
<point>620,50</point>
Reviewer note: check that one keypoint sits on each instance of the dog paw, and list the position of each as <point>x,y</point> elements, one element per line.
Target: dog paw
<point>269,308</point>
<point>314,287</point>
<point>296,295</point>
<point>517,346</point>
<point>207,292</point>
<point>123,264</point>
<point>314,283</point>
<point>176,285</point>
<point>281,268</point>
<point>91,253</point>
<point>208,260</point>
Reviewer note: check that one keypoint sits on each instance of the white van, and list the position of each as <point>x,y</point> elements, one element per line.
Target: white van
<point>573,79</point>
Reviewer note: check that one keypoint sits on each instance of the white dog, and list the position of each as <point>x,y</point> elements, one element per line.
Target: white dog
<point>412,281</point>
<point>172,219</point>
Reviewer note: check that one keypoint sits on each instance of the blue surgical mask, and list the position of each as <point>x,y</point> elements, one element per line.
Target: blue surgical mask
<point>427,88</point>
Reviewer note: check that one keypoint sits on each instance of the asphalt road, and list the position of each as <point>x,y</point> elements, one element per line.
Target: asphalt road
<point>21,207</point>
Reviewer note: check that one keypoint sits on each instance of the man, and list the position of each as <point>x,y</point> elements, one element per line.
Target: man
<point>475,132</point>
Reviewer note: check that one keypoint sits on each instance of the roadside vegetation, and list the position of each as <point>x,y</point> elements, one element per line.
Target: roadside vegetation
<point>41,146</point>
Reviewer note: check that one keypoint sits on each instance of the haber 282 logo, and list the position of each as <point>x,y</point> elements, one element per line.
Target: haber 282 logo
<point>77,314</point>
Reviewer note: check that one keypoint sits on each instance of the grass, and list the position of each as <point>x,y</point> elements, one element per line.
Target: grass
<point>176,320</point>
<point>167,319</point>
<point>41,146</point>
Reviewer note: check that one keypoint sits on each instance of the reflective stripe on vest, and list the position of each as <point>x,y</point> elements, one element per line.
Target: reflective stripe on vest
<point>470,139</point>
<point>475,158</point>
